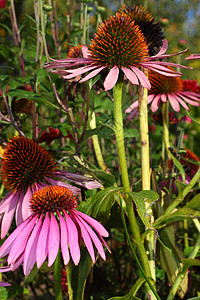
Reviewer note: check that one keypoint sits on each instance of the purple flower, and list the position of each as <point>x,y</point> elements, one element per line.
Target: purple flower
<point>53,224</point>
<point>119,46</point>
<point>25,168</point>
<point>165,88</point>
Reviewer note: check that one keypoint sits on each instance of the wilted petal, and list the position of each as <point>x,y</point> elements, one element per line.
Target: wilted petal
<point>42,244</point>
<point>73,239</point>
<point>174,103</point>
<point>54,240</point>
<point>111,78</point>
<point>30,250</point>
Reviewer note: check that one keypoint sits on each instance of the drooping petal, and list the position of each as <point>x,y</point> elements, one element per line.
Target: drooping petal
<point>193,56</point>
<point>26,211</point>
<point>64,239</point>
<point>42,244</point>
<point>54,240</point>
<point>8,215</point>
<point>20,241</point>
<point>73,239</point>
<point>92,74</point>
<point>130,75</point>
<point>181,102</point>
<point>155,103</point>
<point>174,103</point>
<point>30,250</point>
<point>93,236</point>
<point>142,78</point>
<point>79,71</point>
<point>111,78</point>
<point>5,202</point>
<point>191,95</point>
<point>18,213</point>
<point>86,237</point>
<point>5,247</point>
<point>94,223</point>
<point>188,100</point>
<point>72,188</point>
<point>160,69</point>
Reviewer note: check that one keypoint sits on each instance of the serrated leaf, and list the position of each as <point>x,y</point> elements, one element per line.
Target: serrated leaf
<point>99,205</point>
<point>132,292</point>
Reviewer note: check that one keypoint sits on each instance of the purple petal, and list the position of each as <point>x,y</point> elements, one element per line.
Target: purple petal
<point>111,78</point>
<point>86,237</point>
<point>64,239</point>
<point>92,74</point>
<point>42,244</point>
<point>95,224</point>
<point>26,211</point>
<point>5,202</point>
<point>5,248</point>
<point>142,78</point>
<point>130,75</point>
<point>18,213</point>
<point>30,250</point>
<point>73,239</point>
<point>174,103</point>
<point>54,240</point>
<point>74,189</point>
<point>19,244</point>
<point>193,56</point>
<point>4,284</point>
<point>155,103</point>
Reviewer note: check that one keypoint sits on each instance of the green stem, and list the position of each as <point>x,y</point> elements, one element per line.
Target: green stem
<point>144,144</point>
<point>165,115</point>
<point>57,277</point>
<point>117,94</point>
<point>181,275</point>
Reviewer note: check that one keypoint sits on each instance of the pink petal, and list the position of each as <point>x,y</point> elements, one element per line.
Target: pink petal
<point>111,78</point>
<point>8,215</point>
<point>85,51</point>
<point>181,102</point>
<point>74,189</point>
<point>92,74</point>
<point>30,250</point>
<point>42,244</point>
<point>19,244</point>
<point>160,69</point>
<point>79,71</point>
<point>4,284</point>
<point>5,202</point>
<point>18,214</point>
<point>130,75</point>
<point>191,95</point>
<point>73,239</point>
<point>54,240</point>
<point>155,103</point>
<point>163,48</point>
<point>5,248</point>
<point>193,56</point>
<point>164,98</point>
<point>132,107</point>
<point>188,100</point>
<point>174,103</point>
<point>142,78</point>
<point>26,211</point>
<point>86,237</point>
<point>95,224</point>
<point>94,238</point>
<point>64,239</point>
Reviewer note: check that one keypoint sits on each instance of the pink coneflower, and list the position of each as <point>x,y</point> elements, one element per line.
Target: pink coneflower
<point>163,89</point>
<point>25,168</point>
<point>54,223</point>
<point>119,46</point>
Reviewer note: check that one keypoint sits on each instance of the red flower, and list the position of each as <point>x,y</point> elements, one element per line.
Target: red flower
<point>54,133</point>
<point>191,85</point>
<point>2,3</point>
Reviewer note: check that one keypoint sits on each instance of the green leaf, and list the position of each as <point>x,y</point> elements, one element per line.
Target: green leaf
<point>189,262</point>
<point>107,179</point>
<point>180,214</point>
<point>99,205</point>
<point>194,203</point>
<point>132,292</point>
<point>130,132</point>
<point>140,198</point>
<point>178,165</point>
<point>3,293</point>
<point>16,290</point>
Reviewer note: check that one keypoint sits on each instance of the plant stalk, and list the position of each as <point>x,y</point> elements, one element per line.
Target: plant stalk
<point>57,277</point>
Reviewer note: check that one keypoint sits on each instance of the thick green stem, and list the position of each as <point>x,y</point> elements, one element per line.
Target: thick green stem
<point>118,119</point>
<point>145,168</point>
<point>57,277</point>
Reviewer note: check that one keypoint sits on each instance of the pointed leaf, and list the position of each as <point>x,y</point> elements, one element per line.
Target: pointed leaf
<point>132,292</point>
